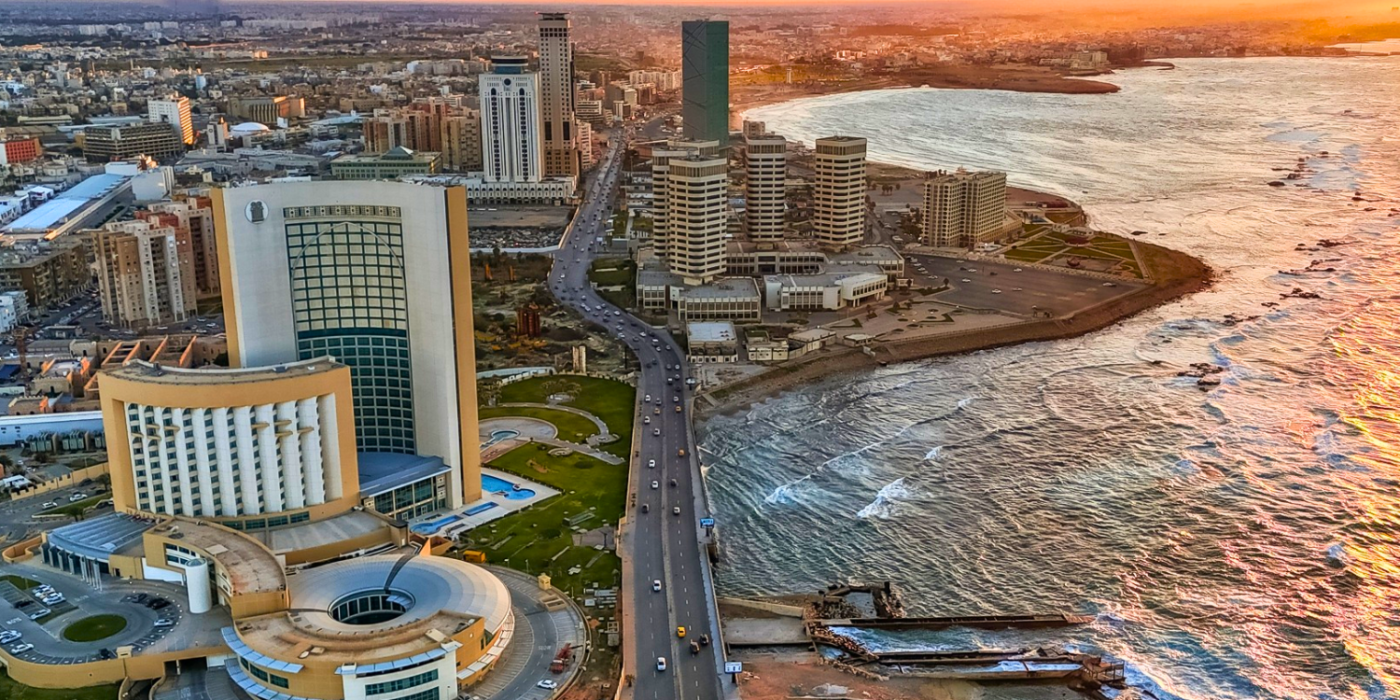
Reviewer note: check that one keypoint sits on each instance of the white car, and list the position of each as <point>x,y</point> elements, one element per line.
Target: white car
<point>656,432</point>
<point>1109,284</point>
<point>163,622</point>
<point>661,663</point>
<point>547,684</point>
<point>966,279</point>
<point>1016,270</point>
<point>651,462</point>
<point>646,420</point>
<point>648,398</point>
<point>655,485</point>
<point>48,504</point>
<point>11,635</point>
<point>996,291</point>
<point>655,586</point>
<point>20,648</point>
<point>76,497</point>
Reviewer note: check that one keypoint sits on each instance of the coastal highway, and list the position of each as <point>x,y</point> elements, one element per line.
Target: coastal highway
<point>664,537</point>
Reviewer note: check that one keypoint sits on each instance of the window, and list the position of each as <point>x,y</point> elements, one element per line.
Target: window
<point>403,684</point>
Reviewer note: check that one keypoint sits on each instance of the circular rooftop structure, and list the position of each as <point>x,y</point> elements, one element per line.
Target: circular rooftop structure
<point>375,594</point>
<point>248,128</point>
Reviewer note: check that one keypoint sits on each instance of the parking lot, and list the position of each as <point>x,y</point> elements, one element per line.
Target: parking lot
<point>994,285</point>
<point>154,612</point>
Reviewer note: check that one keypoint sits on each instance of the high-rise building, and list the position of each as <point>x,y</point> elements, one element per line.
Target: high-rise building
<point>103,144</point>
<point>695,190</point>
<point>431,125</point>
<point>145,273</point>
<point>963,208</point>
<point>765,189</point>
<point>510,121</point>
<point>561,151</point>
<point>838,191</point>
<point>705,80</point>
<point>376,274</point>
<point>196,215</point>
<point>175,111</point>
<point>246,447</point>
<point>660,198</point>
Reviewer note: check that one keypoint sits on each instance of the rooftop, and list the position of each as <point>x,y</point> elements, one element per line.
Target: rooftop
<point>57,210</point>
<point>443,596</point>
<point>101,537</point>
<point>251,567</point>
<point>385,471</point>
<point>345,526</point>
<point>723,288</point>
<point>149,372</point>
<point>711,332</point>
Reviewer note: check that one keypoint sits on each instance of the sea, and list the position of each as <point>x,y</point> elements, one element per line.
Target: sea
<point>1230,543</point>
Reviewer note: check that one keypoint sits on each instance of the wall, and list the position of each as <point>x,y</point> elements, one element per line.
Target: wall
<point>73,478</point>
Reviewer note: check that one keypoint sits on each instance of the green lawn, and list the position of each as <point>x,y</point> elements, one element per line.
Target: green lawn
<point>612,272</point>
<point>571,427</point>
<point>11,690</point>
<point>91,629</point>
<point>77,507</point>
<point>610,400</point>
<point>538,540</point>
<point>19,582</point>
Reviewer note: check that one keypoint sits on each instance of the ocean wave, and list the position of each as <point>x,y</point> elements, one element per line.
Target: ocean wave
<point>886,501</point>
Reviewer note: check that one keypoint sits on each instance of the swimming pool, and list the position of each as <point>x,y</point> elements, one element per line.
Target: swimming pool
<point>510,491</point>
<point>501,436</point>
<point>433,526</point>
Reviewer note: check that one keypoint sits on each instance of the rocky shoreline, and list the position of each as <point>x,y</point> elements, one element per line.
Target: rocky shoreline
<point>1175,274</point>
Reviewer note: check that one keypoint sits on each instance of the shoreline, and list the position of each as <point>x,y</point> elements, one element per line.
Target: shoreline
<point>1175,274</point>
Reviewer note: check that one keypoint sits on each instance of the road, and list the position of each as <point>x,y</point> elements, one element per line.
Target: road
<point>664,533</point>
<point>16,515</point>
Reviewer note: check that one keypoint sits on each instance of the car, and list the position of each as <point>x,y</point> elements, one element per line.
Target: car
<point>547,684</point>
<point>656,585</point>
<point>106,654</point>
<point>971,269</point>
<point>646,508</point>
<point>164,622</point>
<point>1017,289</point>
<point>661,663</point>
<point>48,504</point>
<point>11,635</point>
<point>651,464</point>
<point>966,279</point>
<point>675,399</point>
<point>656,410</point>
<point>678,409</point>
<point>996,291</point>
<point>1109,284</point>
<point>1016,270</point>
<point>676,510</point>
<point>646,420</point>
<point>704,640</point>
<point>76,497</point>
<point>655,485</point>
<point>648,399</point>
<point>159,603</point>
<point>21,648</point>
<point>39,613</point>
<point>673,482</point>
<point>656,431</point>
<point>680,631</point>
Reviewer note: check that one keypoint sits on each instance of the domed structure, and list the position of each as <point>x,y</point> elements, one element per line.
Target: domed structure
<point>247,128</point>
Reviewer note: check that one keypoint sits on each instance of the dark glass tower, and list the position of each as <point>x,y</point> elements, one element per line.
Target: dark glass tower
<point>705,80</point>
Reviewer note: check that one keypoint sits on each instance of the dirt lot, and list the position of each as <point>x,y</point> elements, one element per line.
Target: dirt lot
<point>786,674</point>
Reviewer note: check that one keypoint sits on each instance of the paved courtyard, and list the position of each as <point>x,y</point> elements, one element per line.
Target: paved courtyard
<point>544,623</point>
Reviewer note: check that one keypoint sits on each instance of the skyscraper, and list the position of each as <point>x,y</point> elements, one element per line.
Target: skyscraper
<point>696,208</point>
<point>377,275</point>
<point>705,80</point>
<point>561,151</point>
<point>660,198</point>
<point>145,271</point>
<point>175,111</point>
<point>510,121</point>
<point>838,191</point>
<point>765,188</point>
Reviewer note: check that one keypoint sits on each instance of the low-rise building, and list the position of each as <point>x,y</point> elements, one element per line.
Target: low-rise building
<point>711,342</point>
<point>827,291</point>
<point>734,299</point>
<point>104,144</point>
<point>391,165</point>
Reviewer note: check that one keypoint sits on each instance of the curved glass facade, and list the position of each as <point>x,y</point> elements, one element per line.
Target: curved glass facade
<point>349,301</point>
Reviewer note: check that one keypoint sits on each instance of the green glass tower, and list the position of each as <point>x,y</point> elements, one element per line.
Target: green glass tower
<point>705,80</point>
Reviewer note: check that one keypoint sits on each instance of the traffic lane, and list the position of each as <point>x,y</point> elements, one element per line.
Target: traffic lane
<point>1056,292</point>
